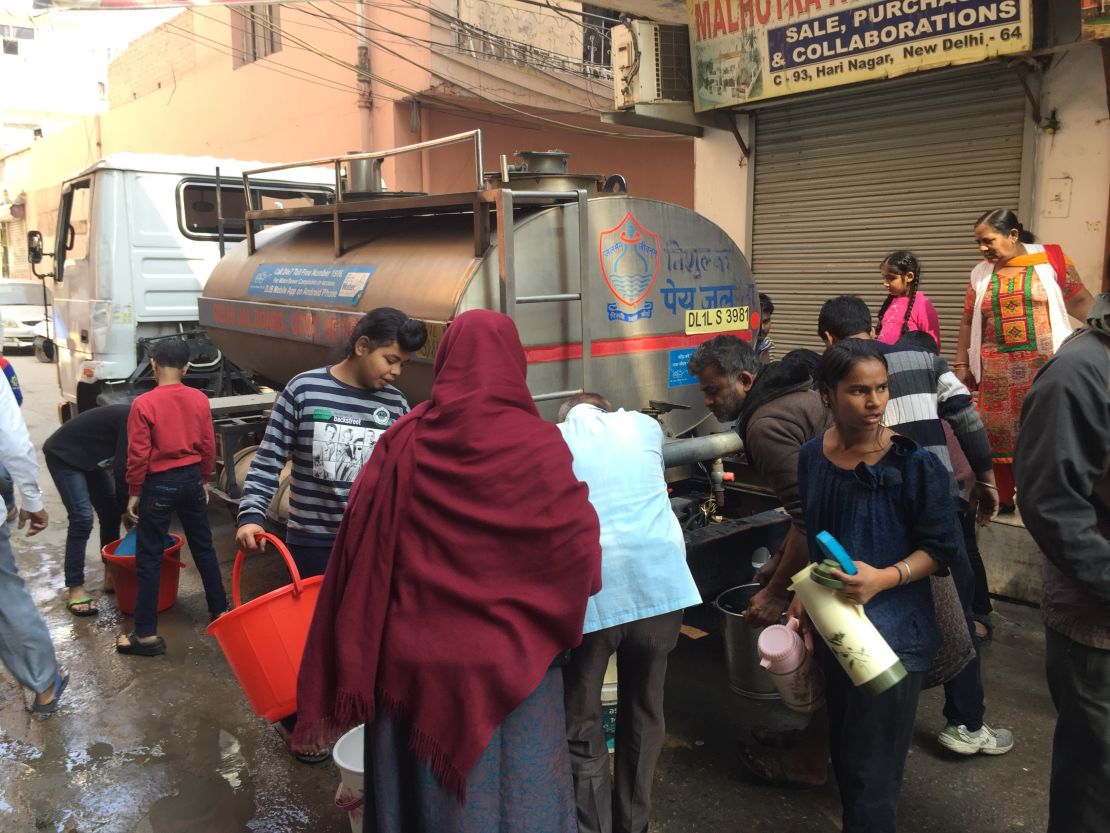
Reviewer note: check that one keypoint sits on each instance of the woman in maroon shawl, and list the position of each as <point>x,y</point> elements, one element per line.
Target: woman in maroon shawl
<point>460,574</point>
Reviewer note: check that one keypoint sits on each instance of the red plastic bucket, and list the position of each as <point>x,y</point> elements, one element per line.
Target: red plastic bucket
<point>122,568</point>
<point>264,639</point>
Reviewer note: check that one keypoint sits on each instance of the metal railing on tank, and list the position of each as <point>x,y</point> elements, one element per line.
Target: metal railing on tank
<point>482,200</point>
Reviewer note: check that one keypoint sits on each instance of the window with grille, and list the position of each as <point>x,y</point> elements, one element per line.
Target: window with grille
<point>255,32</point>
<point>596,45</point>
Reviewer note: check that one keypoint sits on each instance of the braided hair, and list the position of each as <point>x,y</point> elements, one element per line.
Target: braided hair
<point>901,262</point>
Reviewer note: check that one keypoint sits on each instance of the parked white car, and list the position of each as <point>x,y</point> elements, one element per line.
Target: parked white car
<point>23,307</point>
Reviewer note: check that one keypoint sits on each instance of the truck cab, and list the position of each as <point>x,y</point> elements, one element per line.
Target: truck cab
<point>137,237</point>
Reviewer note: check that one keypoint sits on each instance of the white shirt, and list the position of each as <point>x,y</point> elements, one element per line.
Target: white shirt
<point>643,557</point>
<point>16,452</point>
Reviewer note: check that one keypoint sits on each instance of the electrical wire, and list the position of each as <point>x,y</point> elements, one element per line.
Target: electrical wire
<point>410,93</point>
<point>438,104</point>
<point>224,49</point>
<point>465,26</point>
<point>481,95</point>
<point>557,61</point>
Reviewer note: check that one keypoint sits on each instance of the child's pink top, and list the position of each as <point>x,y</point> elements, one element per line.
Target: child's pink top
<point>923,317</point>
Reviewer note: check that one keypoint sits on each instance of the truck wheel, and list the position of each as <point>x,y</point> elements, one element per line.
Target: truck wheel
<point>44,350</point>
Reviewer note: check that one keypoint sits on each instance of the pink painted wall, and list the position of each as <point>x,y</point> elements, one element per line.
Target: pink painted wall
<point>661,169</point>
<point>175,91</point>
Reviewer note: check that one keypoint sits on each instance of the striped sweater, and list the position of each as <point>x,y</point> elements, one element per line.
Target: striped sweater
<point>924,391</point>
<point>328,429</point>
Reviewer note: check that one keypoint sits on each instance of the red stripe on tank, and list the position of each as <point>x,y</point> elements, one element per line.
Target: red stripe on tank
<point>622,346</point>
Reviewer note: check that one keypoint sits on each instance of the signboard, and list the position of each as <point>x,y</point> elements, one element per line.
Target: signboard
<point>751,50</point>
<point>679,364</point>
<point>329,284</point>
<point>1095,15</point>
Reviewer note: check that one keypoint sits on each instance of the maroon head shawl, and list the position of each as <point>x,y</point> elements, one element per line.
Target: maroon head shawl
<point>463,563</point>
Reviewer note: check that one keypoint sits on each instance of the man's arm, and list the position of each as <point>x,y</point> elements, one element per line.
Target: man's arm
<point>17,453</point>
<point>138,448</point>
<point>957,408</point>
<point>1063,450</point>
<point>264,475</point>
<point>773,446</point>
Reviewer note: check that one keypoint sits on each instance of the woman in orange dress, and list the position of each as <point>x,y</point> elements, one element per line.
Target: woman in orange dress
<point>1016,314</point>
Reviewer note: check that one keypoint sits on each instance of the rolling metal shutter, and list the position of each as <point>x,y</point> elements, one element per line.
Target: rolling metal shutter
<point>843,180</point>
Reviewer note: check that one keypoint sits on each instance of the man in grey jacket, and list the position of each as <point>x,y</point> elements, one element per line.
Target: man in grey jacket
<point>25,646</point>
<point>1062,469</point>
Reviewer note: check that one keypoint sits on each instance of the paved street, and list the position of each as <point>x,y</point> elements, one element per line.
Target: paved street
<point>168,745</point>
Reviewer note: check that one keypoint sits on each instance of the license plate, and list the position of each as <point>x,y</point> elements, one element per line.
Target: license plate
<point>720,320</point>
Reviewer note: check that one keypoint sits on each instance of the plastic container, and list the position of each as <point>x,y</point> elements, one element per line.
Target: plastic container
<point>122,568</point>
<point>746,676</point>
<point>857,645</point>
<point>264,638</point>
<point>793,671</point>
<point>348,756</point>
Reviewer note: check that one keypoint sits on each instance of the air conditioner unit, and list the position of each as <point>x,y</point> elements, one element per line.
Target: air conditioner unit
<point>651,64</point>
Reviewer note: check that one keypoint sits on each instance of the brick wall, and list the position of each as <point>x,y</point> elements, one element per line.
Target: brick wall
<point>155,61</point>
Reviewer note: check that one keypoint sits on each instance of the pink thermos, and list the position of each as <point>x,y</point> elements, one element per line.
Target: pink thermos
<point>793,671</point>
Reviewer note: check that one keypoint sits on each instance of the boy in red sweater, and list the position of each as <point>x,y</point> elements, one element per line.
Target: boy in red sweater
<point>171,451</point>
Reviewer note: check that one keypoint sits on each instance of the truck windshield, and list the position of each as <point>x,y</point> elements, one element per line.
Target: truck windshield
<point>197,206</point>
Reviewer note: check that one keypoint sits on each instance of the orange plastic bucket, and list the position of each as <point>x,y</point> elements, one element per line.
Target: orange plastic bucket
<point>126,582</point>
<point>264,639</point>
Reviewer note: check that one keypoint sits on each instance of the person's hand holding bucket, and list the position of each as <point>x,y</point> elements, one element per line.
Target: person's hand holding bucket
<point>249,538</point>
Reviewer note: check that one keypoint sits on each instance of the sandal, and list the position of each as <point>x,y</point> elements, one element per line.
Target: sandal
<point>87,607</point>
<point>137,647</point>
<point>302,755</point>
<point>61,680</point>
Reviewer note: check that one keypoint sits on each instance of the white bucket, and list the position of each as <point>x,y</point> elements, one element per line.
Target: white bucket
<point>348,756</point>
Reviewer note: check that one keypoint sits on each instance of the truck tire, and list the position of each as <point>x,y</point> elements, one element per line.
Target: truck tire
<point>44,350</point>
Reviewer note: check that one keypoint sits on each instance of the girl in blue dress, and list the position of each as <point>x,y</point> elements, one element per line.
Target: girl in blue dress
<point>887,501</point>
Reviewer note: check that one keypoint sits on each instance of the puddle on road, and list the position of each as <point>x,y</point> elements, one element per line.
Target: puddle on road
<point>207,804</point>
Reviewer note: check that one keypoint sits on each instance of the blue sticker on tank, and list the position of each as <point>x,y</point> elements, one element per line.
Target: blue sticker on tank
<point>679,368</point>
<point>329,284</point>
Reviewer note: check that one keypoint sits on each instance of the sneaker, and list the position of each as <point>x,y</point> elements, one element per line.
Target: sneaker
<point>987,740</point>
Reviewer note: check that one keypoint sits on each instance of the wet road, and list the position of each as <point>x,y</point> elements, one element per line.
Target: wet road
<point>162,745</point>
<point>169,745</point>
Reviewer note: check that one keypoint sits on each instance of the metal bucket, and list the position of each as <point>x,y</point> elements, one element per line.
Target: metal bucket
<point>745,675</point>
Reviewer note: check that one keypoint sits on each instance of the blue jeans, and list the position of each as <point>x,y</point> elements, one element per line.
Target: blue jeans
<point>311,559</point>
<point>178,490</point>
<point>84,492</point>
<point>25,646</point>
<point>964,702</point>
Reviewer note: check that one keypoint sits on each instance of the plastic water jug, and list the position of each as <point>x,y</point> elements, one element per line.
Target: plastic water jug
<point>793,671</point>
<point>859,647</point>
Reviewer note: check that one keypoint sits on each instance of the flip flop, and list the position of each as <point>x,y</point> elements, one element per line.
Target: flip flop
<point>91,610</point>
<point>303,757</point>
<point>61,680</point>
<point>138,648</point>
